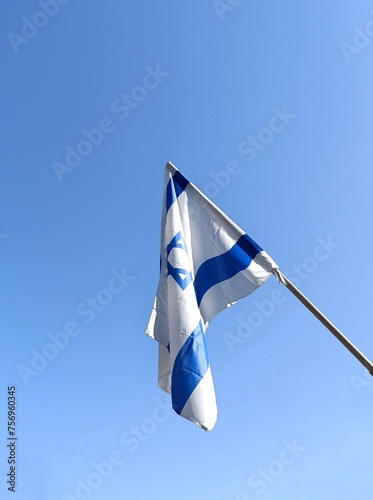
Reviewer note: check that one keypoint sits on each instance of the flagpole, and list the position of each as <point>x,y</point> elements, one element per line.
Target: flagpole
<point>324,320</point>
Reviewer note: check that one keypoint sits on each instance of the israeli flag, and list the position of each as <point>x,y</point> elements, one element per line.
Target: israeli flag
<point>207,264</point>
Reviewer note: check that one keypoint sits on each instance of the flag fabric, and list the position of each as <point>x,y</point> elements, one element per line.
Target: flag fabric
<point>207,264</point>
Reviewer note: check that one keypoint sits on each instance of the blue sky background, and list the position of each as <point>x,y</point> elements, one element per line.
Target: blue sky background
<point>224,71</point>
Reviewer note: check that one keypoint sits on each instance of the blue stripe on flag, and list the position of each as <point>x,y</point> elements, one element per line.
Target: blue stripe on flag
<point>225,266</point>
<point>190,366</point>
<point>175,187</point>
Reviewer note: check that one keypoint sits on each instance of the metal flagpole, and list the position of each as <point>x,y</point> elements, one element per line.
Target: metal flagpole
<point>324,320</point>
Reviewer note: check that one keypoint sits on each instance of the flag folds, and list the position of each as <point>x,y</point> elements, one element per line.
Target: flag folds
<point>207,264</point>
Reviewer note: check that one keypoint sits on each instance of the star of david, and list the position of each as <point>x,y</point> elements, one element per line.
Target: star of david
<point>179,274</point>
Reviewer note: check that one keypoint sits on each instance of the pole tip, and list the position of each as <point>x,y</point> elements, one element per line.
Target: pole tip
<point>171,166</point>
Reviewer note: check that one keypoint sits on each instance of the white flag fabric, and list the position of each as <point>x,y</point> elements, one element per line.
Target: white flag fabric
<point>207,264</point>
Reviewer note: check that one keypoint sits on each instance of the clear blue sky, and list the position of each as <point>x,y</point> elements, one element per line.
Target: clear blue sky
<point>189,82</point>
